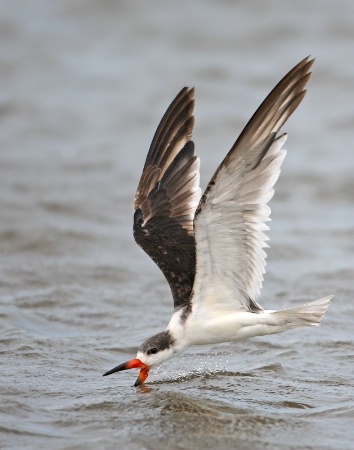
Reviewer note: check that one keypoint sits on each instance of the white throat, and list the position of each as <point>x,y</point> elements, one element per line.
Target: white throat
<point>177,328</point>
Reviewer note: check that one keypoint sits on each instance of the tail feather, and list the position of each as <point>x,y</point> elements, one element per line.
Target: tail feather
<point>306,315</point>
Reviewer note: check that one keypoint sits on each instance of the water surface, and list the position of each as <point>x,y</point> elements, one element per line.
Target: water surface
<point>83,87</point>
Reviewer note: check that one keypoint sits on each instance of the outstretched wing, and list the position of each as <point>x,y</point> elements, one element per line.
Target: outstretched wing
<point>167,197</point>
<point>230,219</point>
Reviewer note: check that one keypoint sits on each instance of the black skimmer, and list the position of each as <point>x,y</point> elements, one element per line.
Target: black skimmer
<point>210,247</point>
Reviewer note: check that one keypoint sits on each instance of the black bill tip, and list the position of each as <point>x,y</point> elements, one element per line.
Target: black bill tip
<point>117,369</point>
<point>138,382</point>
<point>132,364</point>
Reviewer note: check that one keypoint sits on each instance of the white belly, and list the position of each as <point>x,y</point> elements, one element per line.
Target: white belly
<point>227,326</point>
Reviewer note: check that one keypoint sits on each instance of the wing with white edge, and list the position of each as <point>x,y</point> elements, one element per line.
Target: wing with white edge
<point>231,218</point>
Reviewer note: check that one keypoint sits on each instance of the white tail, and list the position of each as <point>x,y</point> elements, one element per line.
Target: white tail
<point>306,315</point>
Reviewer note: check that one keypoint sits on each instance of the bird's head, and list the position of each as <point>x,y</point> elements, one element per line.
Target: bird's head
<point>153,351</point>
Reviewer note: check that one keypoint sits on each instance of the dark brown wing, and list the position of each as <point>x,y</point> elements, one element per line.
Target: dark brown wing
<point>167,197</point>
<point>261,130</point>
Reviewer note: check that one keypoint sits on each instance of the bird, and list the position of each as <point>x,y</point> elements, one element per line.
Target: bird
<point>210,247</point>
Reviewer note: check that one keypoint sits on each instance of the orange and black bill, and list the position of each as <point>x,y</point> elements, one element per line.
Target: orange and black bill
<point>132,364</point>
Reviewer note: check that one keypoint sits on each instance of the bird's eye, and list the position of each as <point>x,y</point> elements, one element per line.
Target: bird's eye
<point>152,351</point>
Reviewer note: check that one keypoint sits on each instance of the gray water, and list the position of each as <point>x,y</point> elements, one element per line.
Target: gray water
<point>83,87</point>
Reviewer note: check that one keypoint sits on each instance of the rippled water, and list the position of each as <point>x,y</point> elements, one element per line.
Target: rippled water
<point>83,87</point>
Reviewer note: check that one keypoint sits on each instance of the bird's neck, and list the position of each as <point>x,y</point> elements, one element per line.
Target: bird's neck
<point>177,329</point>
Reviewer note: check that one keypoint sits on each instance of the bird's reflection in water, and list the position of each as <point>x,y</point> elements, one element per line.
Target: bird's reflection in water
<point>143,389</point>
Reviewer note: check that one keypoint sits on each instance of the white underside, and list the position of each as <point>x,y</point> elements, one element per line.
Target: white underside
<point>208,326</point>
